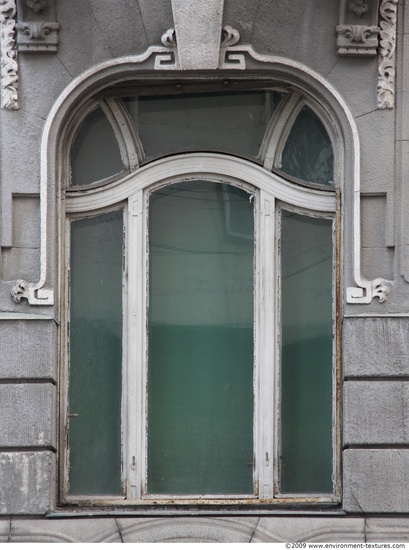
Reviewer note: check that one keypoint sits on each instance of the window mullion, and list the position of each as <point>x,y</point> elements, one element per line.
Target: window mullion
<point>134,421</point>
<point>266,344</point>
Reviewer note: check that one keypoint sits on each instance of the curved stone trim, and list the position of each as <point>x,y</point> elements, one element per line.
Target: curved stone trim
<point>233,57</point>
<point>188,529</point>
<point>228,529</point>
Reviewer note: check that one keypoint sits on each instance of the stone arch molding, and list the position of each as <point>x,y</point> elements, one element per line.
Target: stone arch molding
<point>231,58</point>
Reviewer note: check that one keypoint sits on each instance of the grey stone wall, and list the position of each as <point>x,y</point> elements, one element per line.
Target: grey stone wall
<point>28,415</point>
<point>375,405</point>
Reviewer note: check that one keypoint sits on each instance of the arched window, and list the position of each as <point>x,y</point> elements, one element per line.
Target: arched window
<point>200,298</point>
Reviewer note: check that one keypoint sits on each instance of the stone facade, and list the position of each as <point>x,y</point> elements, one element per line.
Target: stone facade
<point>355,56</point>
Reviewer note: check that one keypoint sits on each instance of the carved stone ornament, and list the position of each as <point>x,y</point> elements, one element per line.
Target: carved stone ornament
<point>357,40</point>
<point>357,32</point>
<point>9,65</point>
<point>386,59</point>
<point>37,36</point>
<point>37,27</point>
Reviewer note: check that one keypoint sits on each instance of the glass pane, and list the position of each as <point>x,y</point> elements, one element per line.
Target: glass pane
<point>95,153</point>
<point>231,122</point>
<point>307,154</point>
<point>306,356</point>
<point>200,374</point>
<point>96,355</point>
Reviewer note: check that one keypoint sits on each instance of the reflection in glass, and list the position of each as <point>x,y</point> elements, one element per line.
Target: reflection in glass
<point>230,122</point>
<point>95,153</point>
<point>95,355</point>
<point>306,355</point>
<point>307,154</point>
<point>200,367</point>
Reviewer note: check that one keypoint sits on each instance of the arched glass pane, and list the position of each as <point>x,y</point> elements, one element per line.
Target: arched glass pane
<point>200,366</point>
<point>95,355</point>
<point>306,354</point>
<point>95,153</point>
<point>229,122</point>
<point>308,154</point>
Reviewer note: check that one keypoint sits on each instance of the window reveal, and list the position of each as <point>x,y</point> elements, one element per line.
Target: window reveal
<point>229,297</point>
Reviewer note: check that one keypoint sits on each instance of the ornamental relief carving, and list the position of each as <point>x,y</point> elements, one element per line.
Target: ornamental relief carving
<point>37,28</point>
<point>357,40</point>
<point>9,66</point>
<point>37,36</point>
<point>386,56</point>
<point>357,32</point>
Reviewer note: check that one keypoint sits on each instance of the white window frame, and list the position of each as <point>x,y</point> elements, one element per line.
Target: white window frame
<point>270,191</point>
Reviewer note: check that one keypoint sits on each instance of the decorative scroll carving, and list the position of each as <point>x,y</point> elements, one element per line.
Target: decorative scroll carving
<point>35,295</point>
<point>169,38</point>
<point>19,290</point>
<point>9,65</point>
<point>228,58</point>
<point>166,58</point>
<point>37,29</point>
<point>367,291</point>
<point>357,32</point>
<point>230,36</point>
<point>386,60</point>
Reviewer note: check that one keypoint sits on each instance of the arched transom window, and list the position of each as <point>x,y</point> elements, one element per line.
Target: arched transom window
<point>200,340</point>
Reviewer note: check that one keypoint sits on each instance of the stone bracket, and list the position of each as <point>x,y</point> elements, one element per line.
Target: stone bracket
<point>386,54</point>
<point>358,31</point>
<point>357,40</point>
<point>37,27</point>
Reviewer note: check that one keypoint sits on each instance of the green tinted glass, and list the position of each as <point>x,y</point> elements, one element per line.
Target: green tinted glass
<point>95,355</point>
<point>306,355</point>
<point>95,153</point>
<point>200,367</point>
<point>230,122</point>
<point>307,154</point>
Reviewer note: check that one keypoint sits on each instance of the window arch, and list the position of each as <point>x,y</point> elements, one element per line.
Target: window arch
<point>269,126</point>
<point>246,236</point>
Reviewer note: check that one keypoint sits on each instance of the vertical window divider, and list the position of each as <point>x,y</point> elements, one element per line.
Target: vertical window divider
<point>265,291</point>
<point>135,376</point>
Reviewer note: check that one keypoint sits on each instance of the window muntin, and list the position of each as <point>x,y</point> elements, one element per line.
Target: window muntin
<point>135,466</point>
